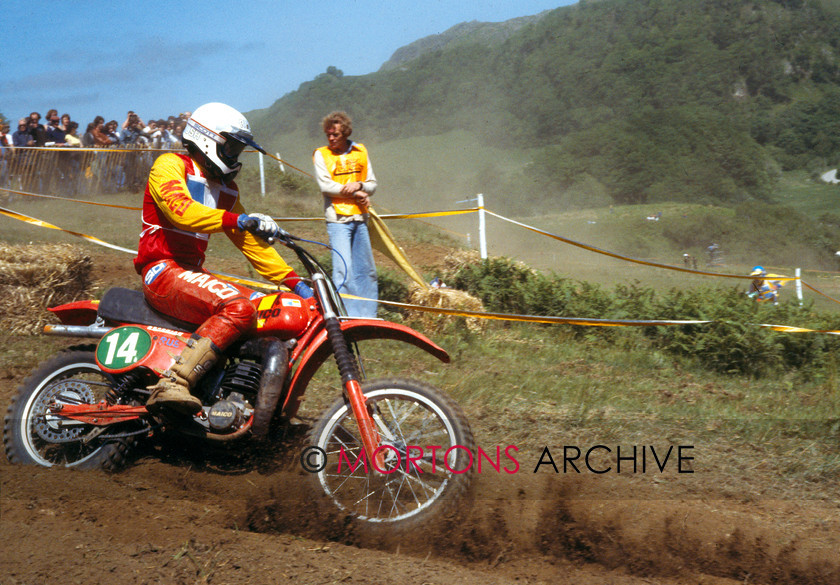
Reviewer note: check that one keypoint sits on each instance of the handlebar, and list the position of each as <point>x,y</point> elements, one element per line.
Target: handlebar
<point>307,259</point>
<point>285,238</point>
<point>282,235</point>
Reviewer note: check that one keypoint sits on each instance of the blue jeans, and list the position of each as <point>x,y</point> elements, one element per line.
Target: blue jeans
<point>351,241</point>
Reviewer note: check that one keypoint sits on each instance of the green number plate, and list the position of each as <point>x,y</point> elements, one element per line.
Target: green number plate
<point>123,347</point>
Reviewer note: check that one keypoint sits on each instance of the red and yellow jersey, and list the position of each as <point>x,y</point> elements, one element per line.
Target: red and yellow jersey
<point>346,168</point>
<point>181,208</point>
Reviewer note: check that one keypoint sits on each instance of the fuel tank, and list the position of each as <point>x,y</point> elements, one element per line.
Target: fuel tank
<point>284,315</point>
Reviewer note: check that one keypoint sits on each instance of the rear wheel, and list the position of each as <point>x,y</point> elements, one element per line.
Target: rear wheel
<point>426,449</point>
<point>34,436</point>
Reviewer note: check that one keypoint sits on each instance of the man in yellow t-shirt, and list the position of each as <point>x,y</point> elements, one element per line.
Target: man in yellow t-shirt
<point>345,177</point>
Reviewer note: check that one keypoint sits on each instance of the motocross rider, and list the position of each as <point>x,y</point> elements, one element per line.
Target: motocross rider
<point>762,289</point>
<point>187,198</point>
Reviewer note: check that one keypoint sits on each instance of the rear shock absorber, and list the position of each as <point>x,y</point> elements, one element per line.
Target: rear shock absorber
<point>119,392</point>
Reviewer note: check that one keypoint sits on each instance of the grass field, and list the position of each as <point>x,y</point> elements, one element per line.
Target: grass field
<point>806,195</point>
<point>624,230</point>
<point>544,381</point>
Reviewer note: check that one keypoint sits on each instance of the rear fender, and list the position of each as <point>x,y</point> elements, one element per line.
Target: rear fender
<point>77,313</point>
<point>319,350</point>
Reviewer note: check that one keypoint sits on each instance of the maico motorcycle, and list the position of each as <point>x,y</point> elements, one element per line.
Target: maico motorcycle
<point>388,452</point>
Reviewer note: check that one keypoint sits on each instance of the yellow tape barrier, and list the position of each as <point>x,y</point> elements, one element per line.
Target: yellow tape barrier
<point>819,292</point>
<point>591,322</point>
<point>83,201</point>
<point>625,258</point>
<point>320,218</point>
<point>789,329</point>
<point>536,318</point>
<point>288,164</point>
<point>44,224</point>
<point>584,321</point>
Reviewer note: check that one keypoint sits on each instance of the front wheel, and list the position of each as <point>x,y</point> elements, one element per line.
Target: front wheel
<point>33,436</point>
<point>424,463</point>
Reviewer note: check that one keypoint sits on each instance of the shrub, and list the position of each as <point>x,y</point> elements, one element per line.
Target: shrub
<point>734,343</point>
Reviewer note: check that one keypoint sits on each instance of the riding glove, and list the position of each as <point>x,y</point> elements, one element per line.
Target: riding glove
<point>302,290</point>
<point>259,224</point>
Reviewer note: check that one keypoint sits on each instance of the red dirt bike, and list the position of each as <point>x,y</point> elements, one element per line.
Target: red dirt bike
<point>388,452</point>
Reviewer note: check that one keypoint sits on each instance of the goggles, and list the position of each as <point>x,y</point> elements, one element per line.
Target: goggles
<point>234,144</point>
<point>232,147</point>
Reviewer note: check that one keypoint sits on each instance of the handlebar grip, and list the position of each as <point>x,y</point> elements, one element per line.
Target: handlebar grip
<point>250,225</point>
<point>284,237</point>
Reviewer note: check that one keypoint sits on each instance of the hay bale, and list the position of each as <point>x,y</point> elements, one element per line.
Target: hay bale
<point>458,259</point>
<point>444,298</point>
<point>36,276</point>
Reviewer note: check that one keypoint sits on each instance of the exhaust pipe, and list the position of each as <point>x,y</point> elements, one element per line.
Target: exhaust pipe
<point>76,330</point>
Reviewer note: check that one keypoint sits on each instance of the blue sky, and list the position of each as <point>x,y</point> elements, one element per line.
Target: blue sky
<point>159,58</point>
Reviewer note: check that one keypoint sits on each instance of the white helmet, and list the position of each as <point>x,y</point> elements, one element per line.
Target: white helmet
<point>215,135</point>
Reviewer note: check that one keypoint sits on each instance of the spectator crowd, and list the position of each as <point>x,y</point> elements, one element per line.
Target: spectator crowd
<point>62,131</point>
<point>61,171</point>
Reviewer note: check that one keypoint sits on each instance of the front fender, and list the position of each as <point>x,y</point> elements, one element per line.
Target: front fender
<point>319,350</point>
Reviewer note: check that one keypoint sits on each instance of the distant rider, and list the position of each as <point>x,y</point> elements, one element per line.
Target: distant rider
<point>187,198</point>
<point>763,290</point>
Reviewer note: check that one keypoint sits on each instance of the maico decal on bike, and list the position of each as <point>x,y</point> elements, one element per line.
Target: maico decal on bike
<point>285,314</point>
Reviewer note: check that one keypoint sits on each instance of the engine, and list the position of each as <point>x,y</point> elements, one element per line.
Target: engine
<point>228,414</point>
<point>234,397</point>
<point>243,377</point>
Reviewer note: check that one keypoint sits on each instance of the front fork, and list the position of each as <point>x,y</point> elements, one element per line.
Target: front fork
<point>348,368</point>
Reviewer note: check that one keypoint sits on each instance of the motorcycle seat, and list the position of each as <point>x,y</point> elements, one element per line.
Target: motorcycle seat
<point>129,306</point>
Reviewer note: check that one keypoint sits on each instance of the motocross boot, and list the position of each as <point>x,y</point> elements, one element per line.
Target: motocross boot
<point>173,389</point>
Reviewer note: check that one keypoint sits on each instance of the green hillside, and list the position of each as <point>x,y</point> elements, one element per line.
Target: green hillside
<point>467,32</point>
<point>614,102</point>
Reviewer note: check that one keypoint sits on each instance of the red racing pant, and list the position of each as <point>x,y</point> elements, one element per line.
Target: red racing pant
<point>222,310</point>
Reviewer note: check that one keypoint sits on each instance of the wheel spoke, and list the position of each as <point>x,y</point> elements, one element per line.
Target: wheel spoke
<point>342,442</point>
<point>427,487</point>
<point>383,428</point>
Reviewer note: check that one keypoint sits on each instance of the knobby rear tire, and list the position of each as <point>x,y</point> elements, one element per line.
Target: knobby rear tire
<point>70,375</point>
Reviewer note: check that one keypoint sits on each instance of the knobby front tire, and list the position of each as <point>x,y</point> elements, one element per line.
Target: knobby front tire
<point>32,437</point>
<point>415,484</point>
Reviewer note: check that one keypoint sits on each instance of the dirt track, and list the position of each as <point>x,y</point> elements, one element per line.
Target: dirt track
<point>184,515</point>
<point>179,519</point>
